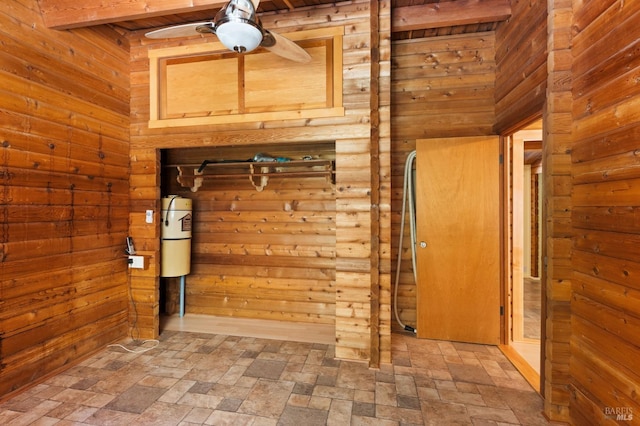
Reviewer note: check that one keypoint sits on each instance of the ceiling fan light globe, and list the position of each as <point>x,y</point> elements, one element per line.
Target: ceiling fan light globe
<point>239,36</point>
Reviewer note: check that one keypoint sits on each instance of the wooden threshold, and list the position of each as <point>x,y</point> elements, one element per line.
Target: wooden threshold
<point>527,371</point>
<point>245,327</point>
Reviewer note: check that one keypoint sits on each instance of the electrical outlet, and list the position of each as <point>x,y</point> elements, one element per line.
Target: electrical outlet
<point>136,262</point>
<point>149,216</point>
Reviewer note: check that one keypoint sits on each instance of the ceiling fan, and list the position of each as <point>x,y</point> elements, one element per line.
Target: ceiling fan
<point>239,29</point>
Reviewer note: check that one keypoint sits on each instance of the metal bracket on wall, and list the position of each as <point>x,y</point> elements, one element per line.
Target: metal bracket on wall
<point>263,177</point>
<point>193,182</point>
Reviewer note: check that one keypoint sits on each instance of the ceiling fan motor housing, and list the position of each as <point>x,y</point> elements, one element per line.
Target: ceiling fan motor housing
<point>238,27</point>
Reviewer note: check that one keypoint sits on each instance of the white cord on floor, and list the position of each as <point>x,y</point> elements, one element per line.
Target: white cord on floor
<point>157,342</point>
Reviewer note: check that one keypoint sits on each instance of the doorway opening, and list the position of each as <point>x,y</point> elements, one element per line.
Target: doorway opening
<point>523,248</point>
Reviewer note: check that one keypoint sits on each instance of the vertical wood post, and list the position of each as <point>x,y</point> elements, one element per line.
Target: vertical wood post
<point>374,360</point>
<point>557,233</point>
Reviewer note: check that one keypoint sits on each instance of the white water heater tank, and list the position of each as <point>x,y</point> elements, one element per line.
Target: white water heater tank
<point>176,236</point>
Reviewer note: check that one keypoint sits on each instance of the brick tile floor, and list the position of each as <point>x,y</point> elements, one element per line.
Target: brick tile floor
<point>205,379</point>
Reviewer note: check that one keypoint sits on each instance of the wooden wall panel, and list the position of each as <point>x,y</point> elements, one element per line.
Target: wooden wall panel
<point>606,262</point>
<point>64,157</point>
<point>521,65</point>
<point>443,86</point>
<point>144,194</point>
<point>452,95</point>
<point>352,135</point>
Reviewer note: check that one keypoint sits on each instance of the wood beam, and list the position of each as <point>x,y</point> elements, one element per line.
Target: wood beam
<point>450,13</point>
<point>532,145</point>
<point>66,14</point>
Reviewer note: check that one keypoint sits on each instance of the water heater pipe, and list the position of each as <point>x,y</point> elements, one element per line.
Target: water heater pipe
<point>182,283</point>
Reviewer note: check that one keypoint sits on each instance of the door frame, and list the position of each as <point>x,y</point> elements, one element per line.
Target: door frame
<point>508,275</point>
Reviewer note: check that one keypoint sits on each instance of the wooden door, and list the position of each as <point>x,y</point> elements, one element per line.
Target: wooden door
<point>458,238</point>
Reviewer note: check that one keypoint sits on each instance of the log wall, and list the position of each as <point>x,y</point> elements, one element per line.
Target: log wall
<point>440,87</point>
<point>361,254</point>
<point>605,313</point>
<point>64,161</point>
<point>521,65</point>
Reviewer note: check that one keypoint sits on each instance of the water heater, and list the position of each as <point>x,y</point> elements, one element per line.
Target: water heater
<point>176,236</point>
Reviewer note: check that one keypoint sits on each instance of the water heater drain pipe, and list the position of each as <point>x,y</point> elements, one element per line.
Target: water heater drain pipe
<point>183,278</point>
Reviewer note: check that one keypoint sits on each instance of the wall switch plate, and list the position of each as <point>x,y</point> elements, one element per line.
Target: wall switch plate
<point>149,216</point>
<point>136,262</point>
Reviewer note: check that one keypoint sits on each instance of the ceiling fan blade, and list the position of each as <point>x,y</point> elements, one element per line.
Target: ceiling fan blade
<point>185,30</point>
<point>284,47</point>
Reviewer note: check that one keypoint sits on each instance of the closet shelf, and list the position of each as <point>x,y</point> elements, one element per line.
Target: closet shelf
<point>192,176</point>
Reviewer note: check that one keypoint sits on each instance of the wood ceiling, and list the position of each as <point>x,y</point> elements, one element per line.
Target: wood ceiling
<point>410,18</point>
